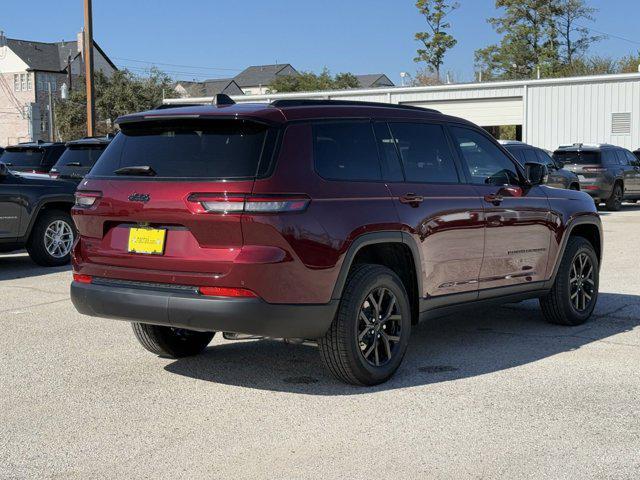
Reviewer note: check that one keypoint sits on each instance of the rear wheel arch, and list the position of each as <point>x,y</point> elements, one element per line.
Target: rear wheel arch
<point>586,227</point>
<point>395,250</point>
<point>56,203</point>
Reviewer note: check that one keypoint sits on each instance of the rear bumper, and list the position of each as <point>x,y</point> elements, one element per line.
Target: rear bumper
<point>599,189</point>
<point>190,310</point>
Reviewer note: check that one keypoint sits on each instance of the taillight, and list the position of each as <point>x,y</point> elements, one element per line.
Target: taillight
<point>86,198</point>
<point>226,292</point>
<point>54,174</point>
<point>225,204</point>
<point>594,169</point>
<point>77,277</point>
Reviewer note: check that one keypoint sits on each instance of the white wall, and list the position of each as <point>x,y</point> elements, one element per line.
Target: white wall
<point>571,113</point>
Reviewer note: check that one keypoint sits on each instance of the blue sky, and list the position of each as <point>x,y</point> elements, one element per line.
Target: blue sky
<point>222,37</point>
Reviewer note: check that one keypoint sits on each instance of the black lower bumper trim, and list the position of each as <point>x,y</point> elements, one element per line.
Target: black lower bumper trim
<point>187,310</point>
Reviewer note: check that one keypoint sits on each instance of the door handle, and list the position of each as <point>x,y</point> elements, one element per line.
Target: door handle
<point>494,198</point>
<point>411,199</point>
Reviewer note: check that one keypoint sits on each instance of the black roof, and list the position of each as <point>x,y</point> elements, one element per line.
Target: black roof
<point>38,144</point>
<point>91,141</point>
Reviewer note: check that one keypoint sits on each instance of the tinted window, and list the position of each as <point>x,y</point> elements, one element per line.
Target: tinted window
<point>189,149</point>
<point>631,158</point>
<point>516,152</point>
<point>622,158</point>
<point>545,158</point>
<point>79,156</point>
<point>391,168</point>
<point>578,158</point>
<point>31,157</point>
<point>346,151</point>
<point>530,156</point>
<point>487,164</point>
<point>610,157</point>
<point>425,153</point>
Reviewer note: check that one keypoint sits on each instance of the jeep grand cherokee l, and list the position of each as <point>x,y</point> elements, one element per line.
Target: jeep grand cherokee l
<point>340,222</point>
<point>608,173</point>
<point>34,214</point>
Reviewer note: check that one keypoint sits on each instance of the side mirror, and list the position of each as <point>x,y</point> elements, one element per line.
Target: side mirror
<point>4,171</point>
<point>537,173</point>
<point>560,164</point>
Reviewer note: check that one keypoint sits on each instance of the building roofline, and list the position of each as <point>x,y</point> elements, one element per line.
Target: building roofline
<point>434,88</point>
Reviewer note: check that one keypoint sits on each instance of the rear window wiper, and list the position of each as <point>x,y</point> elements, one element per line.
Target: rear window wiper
<point>73,164</point>
<point>136,170</point>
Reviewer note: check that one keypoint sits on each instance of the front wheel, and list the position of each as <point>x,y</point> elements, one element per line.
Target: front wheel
<point>171,342</point>
<point>368,338</point>
<point>575,291</point>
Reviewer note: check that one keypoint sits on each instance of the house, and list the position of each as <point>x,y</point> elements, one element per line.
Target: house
<point>208,88</point>
<point>374,80</point>
<point>255,80</point>
<point>27,70</point>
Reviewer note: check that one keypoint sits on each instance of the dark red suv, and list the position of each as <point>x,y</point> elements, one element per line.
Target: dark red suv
<point>340,222</point>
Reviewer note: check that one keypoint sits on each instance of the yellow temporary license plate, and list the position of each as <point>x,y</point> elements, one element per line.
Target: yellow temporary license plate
<point>149,241</point>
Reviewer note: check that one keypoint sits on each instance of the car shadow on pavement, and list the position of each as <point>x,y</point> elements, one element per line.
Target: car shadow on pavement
<point>626,207</point>
<point>13,266</point>
<point>440,350</point>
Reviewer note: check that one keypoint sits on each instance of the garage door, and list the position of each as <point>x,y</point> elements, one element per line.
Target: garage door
<point>484,112</point>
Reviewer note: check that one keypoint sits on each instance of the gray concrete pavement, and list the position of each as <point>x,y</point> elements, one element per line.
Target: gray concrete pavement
<point>492,394</point>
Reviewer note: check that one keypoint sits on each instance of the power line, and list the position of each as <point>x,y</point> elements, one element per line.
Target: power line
<point>609,34</point>
<point>178,65</point>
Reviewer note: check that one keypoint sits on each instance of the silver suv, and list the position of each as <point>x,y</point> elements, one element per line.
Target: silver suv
<point>608,173</point>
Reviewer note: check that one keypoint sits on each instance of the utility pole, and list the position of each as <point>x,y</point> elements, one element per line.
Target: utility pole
<point>88,66</point>
<point>52,137</point>
<point>69,72</point>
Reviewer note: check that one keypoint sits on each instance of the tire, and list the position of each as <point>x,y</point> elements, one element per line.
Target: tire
<point>614,202</point>
<point>350,338</point>
<point>558,305</point>
<point>171,342</point>
<point>46,224</point>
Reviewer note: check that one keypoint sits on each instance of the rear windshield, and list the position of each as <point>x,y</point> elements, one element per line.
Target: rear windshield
<point>31,157</point>
<point>219,149</point>
<point>579,158</point>
<point>79,156</point>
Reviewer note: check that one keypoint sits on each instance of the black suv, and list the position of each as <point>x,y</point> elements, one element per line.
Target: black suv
<point>558,176</point>
<point>34,213</point>
<point>33,157</point>
<point>79,157</point>
<point>637,153</point>
<point>608,173</point>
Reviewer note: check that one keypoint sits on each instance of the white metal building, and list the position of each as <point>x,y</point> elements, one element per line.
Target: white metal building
<point>547,112</point>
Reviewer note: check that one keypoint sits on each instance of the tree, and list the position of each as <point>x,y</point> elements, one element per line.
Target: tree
<point>437,42</point>
<point>529,40</point>
<point>310,82</point>
<point>425,78</point>
<point>120,94</point>
<point>575,39</point>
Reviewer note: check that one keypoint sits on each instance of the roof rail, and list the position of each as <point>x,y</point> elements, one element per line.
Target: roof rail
<point>301,102</point>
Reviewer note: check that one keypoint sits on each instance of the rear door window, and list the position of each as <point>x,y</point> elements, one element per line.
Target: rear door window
<point>346,150</point>
<point>486,163</point>
<point>425,153</point>
<point>530,156</point>
<point>545,159</point>
<point>190,149</point>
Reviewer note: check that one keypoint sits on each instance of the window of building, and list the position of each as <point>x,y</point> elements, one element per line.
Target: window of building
<point>23,82</point>
<point>486,163</point>
<point>29,82</point>
<point>425,153</point>
<point>346,151</point>
<point>16,82</point>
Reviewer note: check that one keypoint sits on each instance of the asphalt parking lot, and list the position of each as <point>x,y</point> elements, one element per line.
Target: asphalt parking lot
<point>493,394</point>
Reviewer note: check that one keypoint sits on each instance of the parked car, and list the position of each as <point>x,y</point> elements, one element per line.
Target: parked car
<point>608,173</point>
<point>34,214</point>
<point>336,221</point>
<point>558,176</point>
<point>79,157</point>
<point>637,153</point>
<point>1,151</point>
<point>32,157</point>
